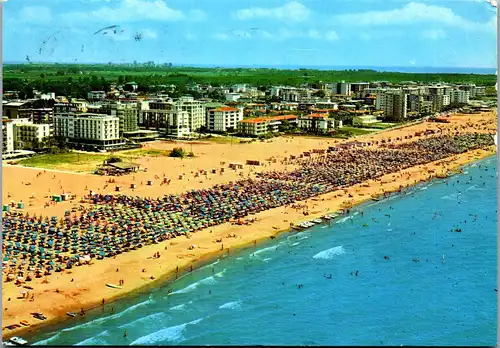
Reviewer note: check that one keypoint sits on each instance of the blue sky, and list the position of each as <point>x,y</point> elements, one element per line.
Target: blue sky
<point>453,33</point>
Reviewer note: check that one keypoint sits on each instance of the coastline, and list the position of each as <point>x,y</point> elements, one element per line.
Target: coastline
<point>248,236</point>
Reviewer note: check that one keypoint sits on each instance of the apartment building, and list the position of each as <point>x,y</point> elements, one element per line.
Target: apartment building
<point>343,88</point>
<point>126,112</point>
<point>317,122</point>
<point>395,106</point>
<point>42,115</point>
<point>7,136</point>
<point>439,101</point>
<point>253,126</point>
<point>26,133</point>
<point>460,96</point>
<point>98,130</point>
<point>264,125</point>
<point>473,90</point>
<point>358,88</point>
<point>18,109</point>
<point>381,93</point>
<point>175,118</point>
<point>96,95</point>
<point>418,104</point>
<point>223,118</point>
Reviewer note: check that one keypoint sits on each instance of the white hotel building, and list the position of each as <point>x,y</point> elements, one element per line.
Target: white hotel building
<point>223,118</point>
<point>100,131</point>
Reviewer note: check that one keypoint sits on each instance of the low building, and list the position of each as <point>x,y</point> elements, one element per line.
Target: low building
<point>94,130</point>
<point>27,133</point>
<point>320,123</point>
<point>96,95</point>
<point>223,118</point>
<point>364,120</point>
<point>264,125</point>
<point>253,126</point>
<point>232,96</point>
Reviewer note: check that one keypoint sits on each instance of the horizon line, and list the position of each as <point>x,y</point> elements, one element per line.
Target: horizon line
<point>261,66</point>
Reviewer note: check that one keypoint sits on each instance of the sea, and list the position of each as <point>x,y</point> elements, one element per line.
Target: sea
<point>417,268</point>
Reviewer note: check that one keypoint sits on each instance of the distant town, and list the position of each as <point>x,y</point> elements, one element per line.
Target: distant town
<point>122,117</point>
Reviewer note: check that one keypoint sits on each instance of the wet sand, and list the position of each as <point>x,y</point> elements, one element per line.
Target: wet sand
<point>57,294</point>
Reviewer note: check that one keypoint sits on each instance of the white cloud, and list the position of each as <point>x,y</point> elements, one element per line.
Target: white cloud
<point>331,36</point>
<point>38,14</point>
<point>221,36</point>
<point>190,36</point>
<point>291,11</point>
<point>128,11</point>
<point>282,34</point>
<point>411,13</point>
<point>434,34</point>
<point>149,34</point>
<point>197,15</point>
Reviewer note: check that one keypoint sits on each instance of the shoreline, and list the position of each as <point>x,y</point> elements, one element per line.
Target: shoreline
<point>169,275</point>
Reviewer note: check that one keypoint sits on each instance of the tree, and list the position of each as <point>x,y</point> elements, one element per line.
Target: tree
<point>320,93</point>
<point>178,152</point>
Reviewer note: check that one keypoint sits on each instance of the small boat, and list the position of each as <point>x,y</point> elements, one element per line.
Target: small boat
<point>19,341</point>
<point>39,317</point>
<point>25,323</point>
<point>318,221</point>
<point>36,313</point>
<point>8,344</point>
<point>71,314</point>
<point>113,286</point>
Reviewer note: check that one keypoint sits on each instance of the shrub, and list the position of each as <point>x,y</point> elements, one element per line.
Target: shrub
<point>178,152</point>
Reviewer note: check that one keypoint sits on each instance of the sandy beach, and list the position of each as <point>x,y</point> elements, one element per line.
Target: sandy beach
<point>84,287</point>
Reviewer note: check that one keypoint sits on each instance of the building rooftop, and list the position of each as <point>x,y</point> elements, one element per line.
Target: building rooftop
<point>226,108</point>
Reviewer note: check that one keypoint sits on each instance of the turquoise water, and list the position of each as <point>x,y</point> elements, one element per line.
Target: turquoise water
<point>437,286</point>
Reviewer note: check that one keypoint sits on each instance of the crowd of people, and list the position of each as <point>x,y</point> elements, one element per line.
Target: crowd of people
<point>36,246</point>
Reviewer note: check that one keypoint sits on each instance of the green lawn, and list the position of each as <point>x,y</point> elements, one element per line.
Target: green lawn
<point>72,161</point>
<point>147,152</point>
<point>356,131</point>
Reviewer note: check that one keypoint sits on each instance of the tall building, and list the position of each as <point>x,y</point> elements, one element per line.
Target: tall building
<point>440,96</point>
<point>42,115</point>
<point>439,101</point>
<point>175,118</point>
<point>126,112</point>
<point>223,118</point>
<point>97,130</point>
<point>357,88</point>
<point>196,112</point>
<point>343,88</point>
<point>7,136</point>
<point>395,106</point>
<point>460,96</point>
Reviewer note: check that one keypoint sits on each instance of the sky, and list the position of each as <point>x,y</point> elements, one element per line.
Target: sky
<point>382,33</point>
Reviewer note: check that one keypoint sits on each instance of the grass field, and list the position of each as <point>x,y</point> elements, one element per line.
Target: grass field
<point>256,76</point>
<point>146,152</point>
<point>356,131</point>
<point>72,161</point>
